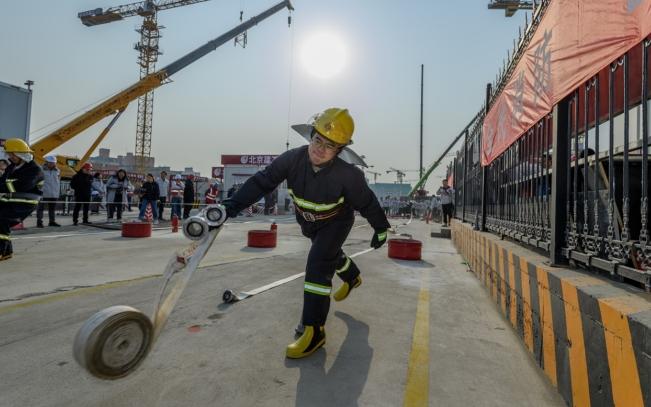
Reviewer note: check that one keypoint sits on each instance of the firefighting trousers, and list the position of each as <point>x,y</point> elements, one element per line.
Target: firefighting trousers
<point>11,214</point>
<point>324,260</point>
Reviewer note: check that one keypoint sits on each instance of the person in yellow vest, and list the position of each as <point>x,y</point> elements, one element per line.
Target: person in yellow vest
<point>326,192</point>
<point>20,191</point>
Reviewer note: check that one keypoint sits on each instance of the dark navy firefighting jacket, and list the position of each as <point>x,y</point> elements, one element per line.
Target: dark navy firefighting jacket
<point>332,193</point>
<point>21,185</point>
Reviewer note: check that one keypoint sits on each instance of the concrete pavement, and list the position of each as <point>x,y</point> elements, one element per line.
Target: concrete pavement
<point>215,354</point>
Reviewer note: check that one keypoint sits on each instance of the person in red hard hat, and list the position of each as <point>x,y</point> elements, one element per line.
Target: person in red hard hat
<point>82,184</point>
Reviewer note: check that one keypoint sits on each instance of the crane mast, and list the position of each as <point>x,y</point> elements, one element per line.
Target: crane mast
<point>147,47</point>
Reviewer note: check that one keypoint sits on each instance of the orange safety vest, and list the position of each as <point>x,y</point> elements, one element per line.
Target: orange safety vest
<point>211,195</point>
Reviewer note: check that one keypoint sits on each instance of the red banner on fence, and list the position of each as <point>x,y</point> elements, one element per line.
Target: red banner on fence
<point>574,41</point>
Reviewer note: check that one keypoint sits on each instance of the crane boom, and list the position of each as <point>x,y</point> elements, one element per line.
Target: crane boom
<point>120,100</point>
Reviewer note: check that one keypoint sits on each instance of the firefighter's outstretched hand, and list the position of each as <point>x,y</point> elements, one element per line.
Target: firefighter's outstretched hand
<point>231,211</point>
<point>379,238</point>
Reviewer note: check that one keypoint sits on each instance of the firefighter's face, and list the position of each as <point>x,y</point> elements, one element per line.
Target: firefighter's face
<point>322,150</point>
<point>14,158</point>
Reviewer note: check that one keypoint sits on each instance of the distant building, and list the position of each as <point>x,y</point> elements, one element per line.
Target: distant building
<point>383,189</point>
<point>105,163</point>
<point>15,113</point>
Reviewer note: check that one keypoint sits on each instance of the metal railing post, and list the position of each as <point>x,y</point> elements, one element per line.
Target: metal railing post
<point>464,192</point>
<point>483,169</point>
<point>560,159</point>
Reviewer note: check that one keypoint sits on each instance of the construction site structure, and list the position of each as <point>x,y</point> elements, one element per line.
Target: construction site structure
<point>400,175</point>
<point>116,104</point>
<point>148,50</point>
<point>511,6</point>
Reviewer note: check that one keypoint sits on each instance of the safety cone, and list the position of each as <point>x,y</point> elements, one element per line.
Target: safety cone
<point>149,215</point>
<point>175,224</point>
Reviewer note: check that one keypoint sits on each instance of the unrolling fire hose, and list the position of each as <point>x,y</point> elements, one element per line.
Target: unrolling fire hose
<point>231,296</point>
<point>112,343</point>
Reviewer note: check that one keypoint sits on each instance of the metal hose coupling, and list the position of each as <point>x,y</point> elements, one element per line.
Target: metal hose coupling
<point>196,227</point>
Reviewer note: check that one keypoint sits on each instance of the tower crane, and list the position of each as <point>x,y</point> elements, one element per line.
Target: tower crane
<point>116,104</point>
<point>399,174</point>
<point>375,175</point>
<point>148,55</point>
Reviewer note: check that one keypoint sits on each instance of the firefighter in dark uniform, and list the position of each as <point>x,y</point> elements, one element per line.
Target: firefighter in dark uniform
<point>326,191</point>
<point>20,191</point>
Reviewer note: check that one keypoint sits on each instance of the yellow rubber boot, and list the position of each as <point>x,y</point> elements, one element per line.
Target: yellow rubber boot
<point>345,289</point>
<point>312,339</point>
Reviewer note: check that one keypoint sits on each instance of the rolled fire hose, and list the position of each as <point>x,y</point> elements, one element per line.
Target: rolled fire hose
<point>113,342</point>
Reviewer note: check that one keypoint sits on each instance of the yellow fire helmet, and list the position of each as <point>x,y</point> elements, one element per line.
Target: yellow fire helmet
<point>336,125</point>
<point>16,145</point>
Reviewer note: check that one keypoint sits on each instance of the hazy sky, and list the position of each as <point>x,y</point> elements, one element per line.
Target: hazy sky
<point>238,101</point>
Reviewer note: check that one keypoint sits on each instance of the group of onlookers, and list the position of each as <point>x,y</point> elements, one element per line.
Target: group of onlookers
<point>91,194</point>
<point>442,201</point>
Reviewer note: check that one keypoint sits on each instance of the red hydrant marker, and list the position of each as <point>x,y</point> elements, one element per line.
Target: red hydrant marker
<point>136,229</point>
<point>405,249</point>
<point>175,224</point>
<point>261,238</point>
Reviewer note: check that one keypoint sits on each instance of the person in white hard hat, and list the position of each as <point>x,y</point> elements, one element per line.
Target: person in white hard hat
<point>51,190</point>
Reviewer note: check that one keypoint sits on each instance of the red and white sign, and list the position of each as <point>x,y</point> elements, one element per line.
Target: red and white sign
<point>575,40</point>
<point>218,172</point>
<point>249,159</point>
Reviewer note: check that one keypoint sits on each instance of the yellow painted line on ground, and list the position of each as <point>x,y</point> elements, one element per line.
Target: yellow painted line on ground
<point>417,388</point>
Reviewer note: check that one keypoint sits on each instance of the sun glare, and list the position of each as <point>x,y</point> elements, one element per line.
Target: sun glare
<point>324,55</point>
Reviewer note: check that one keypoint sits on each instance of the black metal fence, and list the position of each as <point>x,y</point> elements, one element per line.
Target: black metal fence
<point>595,146</point>
<point>467,174</point>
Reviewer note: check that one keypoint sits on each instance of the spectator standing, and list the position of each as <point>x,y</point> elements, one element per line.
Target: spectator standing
<point>269,203</point>
<point>188,196</point>
<point>447,201</point>
<point>212,193</point>
<point>176,195</point>
<point>116,194</point>
<point>129,197</point>
<point>81,182</point>
<point>97,193</point>
<point>149,194</point>
<point>163,190</point>
<point>51,189</point>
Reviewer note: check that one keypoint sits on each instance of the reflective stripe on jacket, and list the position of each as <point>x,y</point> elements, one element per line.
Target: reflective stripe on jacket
<point>339,187</point>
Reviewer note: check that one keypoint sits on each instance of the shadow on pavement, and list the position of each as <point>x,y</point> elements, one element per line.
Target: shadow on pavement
<point>343,383</point>
<point>256,249</point>
<point>413,263</point>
